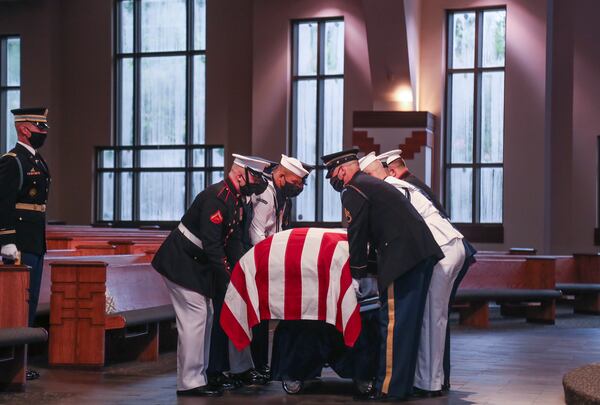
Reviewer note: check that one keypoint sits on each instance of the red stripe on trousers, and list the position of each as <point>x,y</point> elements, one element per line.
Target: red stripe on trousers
<point>233,329</point>
<point>293,274</point>
<point>326,250</point>
<point>238,280</point>
<point>261,263</point>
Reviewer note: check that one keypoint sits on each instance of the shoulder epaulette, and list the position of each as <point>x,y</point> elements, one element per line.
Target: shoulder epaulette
<point>352,187</point>
<point>9,154</point>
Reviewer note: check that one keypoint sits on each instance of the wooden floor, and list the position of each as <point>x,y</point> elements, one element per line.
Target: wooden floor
<point>512,363</point>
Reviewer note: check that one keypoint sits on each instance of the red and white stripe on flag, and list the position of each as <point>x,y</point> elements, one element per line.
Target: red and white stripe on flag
<point>302,273</point>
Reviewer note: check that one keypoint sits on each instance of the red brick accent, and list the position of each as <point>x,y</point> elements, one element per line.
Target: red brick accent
<point>364,142</point>
<point>413,144</point>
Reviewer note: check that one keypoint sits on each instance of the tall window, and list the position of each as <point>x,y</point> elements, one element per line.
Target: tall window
<point>475,115</point>
<point>317,110</point>
<point>10,89</point>
<point>160,100</point>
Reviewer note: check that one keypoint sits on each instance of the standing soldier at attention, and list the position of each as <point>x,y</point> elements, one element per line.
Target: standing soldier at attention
<point>196,260</point>
<point>25,181</point>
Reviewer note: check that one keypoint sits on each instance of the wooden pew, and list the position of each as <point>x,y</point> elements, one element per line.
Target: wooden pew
<point>509,280</point>
<point>91,298</point>
<point>14,332</point>
<point>515,251</point>
<point>579,276</point>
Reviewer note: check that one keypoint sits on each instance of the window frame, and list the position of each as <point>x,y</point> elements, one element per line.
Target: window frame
<point>488,232</point>
<point>5,88</point>
<point>320,78</point>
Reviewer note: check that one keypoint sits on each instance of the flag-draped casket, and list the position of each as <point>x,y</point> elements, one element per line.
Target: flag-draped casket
<point>298,274</point>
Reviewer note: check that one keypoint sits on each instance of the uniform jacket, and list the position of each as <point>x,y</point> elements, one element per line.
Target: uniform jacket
<point>379,215</point>
<point>268,214</point>
<point>24,178</point>
<point>215,219</point>
<point>440,227</point>
<point>415,181</point>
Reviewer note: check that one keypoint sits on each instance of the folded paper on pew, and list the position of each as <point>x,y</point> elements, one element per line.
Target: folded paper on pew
<point>298,274</point>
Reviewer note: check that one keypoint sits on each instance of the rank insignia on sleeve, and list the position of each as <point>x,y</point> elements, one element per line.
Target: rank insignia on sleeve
<point>32,192</point>
<point>347,215</point>
<point>216,218</point>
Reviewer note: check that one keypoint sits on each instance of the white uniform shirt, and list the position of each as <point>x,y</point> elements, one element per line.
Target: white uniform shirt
<point>266,220</point>
<point>442,230</point>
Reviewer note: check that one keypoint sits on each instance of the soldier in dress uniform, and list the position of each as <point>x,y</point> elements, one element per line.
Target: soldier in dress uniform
<point>25,182</point>
<point>396,167</point>
<point>377,214</point>
<point>195,261</point>
<point>271,211</point>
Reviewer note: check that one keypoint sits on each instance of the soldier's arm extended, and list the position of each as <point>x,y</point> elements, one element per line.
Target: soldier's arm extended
<point>9,184</point>
<point>263,208</point>
<point>356,213</point>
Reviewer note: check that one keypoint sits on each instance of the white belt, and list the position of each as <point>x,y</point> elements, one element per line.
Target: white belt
<point>191,237</point>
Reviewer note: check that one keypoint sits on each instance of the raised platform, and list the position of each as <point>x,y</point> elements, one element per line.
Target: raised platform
<point>582,385</point>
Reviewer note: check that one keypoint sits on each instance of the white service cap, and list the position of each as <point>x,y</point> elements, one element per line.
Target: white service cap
<point>293,165</point>
<point>389,156</point>
<point>366,160</point>
<point>253,163</point>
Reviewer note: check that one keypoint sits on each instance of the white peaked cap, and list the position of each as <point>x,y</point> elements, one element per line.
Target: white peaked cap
<point>389,156</point>
<point>366,160</point>
<point>252,163</point>
<point>293,165</point>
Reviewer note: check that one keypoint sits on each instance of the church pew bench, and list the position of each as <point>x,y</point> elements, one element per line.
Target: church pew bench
<point>14,333</point>
<point>527,282</point>
<point>579,276</point>
<point>99,309</point>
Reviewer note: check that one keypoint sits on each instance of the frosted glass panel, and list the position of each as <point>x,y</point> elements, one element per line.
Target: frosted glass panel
<point>305,202</point>
<point>108,193</point>
<point>334,47</point>
<point>199,99</point>
<point>197,183</point>
<point>494,38</point>
<point>491,195</point>
<point>13,61</point>
<point>126,20</point>
<point>333,116</point>
<point>461,197</point>
<point>332,203</point>
<point>463,40</point>
<point>200,24</point>
<point>461,148</point>
<point>162,101</point>
<point>162,158</point>
<point>492,117</point>
<point>163,25</point>
<point>307,49</point>
<point>126,196</point>
<point>126,104</point>
<point>306,120</point>
<point>162,196</point>
<point>13,100</point>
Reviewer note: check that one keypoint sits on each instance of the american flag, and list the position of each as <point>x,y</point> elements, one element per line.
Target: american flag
<point>303,273</point>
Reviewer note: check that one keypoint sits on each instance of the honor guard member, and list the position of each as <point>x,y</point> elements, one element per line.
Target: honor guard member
<point>25,181</point>
<point>396,167</point>
<point>377,214</point>
<point>271,211</point>
<point>195,261</point>
<point>429,375</point>
<point>229,368</point>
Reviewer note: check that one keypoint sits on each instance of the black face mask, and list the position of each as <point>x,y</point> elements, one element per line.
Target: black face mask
<point>337,184</point>
<point>253,188</point>
<point>290,190</point>
<point>37,139</point>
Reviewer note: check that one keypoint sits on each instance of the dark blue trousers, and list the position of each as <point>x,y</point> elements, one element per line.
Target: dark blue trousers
<point>400,320</point>
<point>36,262</point>
<point>218,361</point>
<point>260,345</point>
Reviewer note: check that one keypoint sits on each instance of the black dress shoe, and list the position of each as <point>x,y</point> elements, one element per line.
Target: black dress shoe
<point>31,375</point>
<point>265,371</point>
<point>445,387</point>
<point>372,395</point>
<point>204,391</point>
<point>223,382</point>
<point>418,392</point>
<point>250,377</point>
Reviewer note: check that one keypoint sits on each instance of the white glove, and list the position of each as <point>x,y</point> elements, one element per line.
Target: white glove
<point>356,286</point>
<point>10,251</point>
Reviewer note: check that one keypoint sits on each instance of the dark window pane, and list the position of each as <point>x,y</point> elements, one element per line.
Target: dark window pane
<point>13,61</point>
<point>163,25</point>
<point>126,20</point>
<point>333,115</point>
<point>306,120</point>
<point>162,158</point>
<point>461,131</point>
<point>463,40</point>
<point>491,195</point>
<point>305,202</point>
<point>307,49</point>
<point>334,47</point>
<point>200,24</point>
<point>492,117</point>
<point>163,100</point>
<point>199,99</point>
<point>461,196</point>
<point>162,196</point>
<point>126,102</point>
<point>494,38</point>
